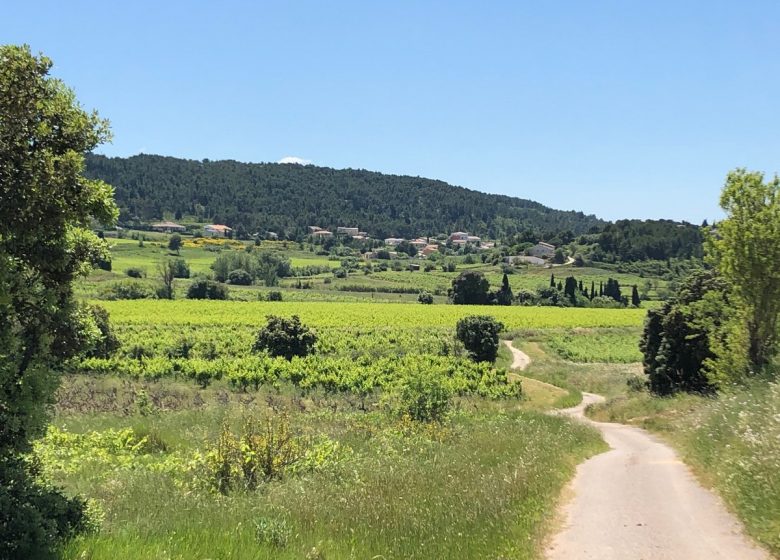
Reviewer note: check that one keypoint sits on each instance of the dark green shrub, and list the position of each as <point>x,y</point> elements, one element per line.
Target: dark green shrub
<point>239,277</point>
<point>274,296</point>
<point>470,288</point>
<point>126,290</point>
<point>134,272</point>
<point>285,337</point>
<point>479,336</point>
<point>425,298</point>
<point>180,268</point>
<point>203,288</point>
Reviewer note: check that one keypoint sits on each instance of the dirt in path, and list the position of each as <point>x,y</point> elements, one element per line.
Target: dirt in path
<point>638,501</point>
<point>520,359</point>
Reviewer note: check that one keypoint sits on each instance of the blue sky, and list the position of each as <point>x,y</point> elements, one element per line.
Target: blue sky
<point>621,109</point>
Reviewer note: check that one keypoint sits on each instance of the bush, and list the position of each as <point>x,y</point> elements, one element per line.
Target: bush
<point>425,298</point>
<point>239,277</point>
<point>274,296</point>
<point>421,396</point>
<point>340,273</point>
<point>479,336</point>
<point>126,290</point>
<point>134,272</point>
<point>285,337</point>
<point>180,268</point>
<point>203,288</point>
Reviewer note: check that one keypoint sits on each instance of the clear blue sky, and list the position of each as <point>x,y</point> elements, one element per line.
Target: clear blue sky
<point>622,109</point>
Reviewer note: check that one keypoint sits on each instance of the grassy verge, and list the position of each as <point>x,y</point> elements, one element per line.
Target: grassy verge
<point>482,485</point>
<point>732,442</point>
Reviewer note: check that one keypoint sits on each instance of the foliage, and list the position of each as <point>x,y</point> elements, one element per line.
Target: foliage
<point>273,296</point>
<point>239,277</point>
<point>203,288</point>
<point>166,271</point>
<point>46,209</point>
<point>266,266</point>
<point>425,298</point>
<point>180,268</point>
<point>745,248</point>
<point>479,335</point>
<point>469,288</point>
<point>135,272</point>
<point>174,243</point>
<point>421,396</point>
<point>279,198</point>
<point>125,290</point>
<point>285,337</point>
<point>639,240</point>
<point>677,338</point>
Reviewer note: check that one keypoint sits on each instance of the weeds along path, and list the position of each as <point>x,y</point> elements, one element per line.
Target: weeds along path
<point>638,501</point>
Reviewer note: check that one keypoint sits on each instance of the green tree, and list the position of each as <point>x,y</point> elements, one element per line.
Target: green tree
<point>285,337</point>
<point>174,243</point>
<point>479,335</point>
<point>559,257</point>
<point>745,248</point>
<point>46,209</point>
<point>570,288</point>
<point>504,296</point>
<point>635,301</point>
<point>469,288</point>
<point>166,271</point>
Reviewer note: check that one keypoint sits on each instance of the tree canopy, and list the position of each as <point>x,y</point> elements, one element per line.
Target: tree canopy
<point>46,209</point>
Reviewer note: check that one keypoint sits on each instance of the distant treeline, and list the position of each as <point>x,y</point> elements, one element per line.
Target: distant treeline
<point>285,199</point>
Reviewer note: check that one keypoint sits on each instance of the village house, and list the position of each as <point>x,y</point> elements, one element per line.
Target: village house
<point>351,231</point>
<point>312,229</point>
<point>393,241</point>
<point>217,230</point>
<point>322,233</point>
<point>428,250</point>
<point>418,243</point>
<point>459,236</point>
<point>542,249</point>
<point>168,227</point>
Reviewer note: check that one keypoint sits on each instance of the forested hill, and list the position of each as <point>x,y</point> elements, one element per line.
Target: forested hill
<point>287,198</point>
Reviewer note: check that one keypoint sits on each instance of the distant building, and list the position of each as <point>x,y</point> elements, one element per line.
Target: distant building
<point>419,243</point>
<point>535,261</point>
<point>312,229</point>
<point>351,231</point>
<point>542,249</point>
<point>393,241</point>
<point>428,250</point>
<point>168,227</point>
<point>322,233</point>
<point>217,230</point>
<point>459,236</point>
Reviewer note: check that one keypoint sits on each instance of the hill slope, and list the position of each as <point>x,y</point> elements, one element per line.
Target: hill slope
<point>287,198</point>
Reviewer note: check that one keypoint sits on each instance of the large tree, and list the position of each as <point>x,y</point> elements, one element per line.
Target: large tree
<point>745,248</point>
<point>46,208</point>
<point>470,288</point>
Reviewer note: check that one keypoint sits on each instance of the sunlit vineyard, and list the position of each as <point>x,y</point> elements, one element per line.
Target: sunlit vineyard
<point>362,315</point>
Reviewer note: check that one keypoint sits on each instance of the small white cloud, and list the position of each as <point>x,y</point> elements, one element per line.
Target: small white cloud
<point>294,159</point>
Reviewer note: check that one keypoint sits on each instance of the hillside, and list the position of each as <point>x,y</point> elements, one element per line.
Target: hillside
<point>288,198</point>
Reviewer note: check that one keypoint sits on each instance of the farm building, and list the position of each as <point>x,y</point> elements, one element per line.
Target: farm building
<point>217,230</point>
<point>168,227</point>
<point>542,249</point>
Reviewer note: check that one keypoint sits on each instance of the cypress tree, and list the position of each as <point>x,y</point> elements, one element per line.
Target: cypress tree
<point>601,288</point>
<point>592,289</point>
<point>560,286</point>
<point>580,286</point>
<point>635,301</point>
<point>552,280</point>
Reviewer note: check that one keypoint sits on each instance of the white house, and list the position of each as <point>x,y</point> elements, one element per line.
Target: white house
<point>322,233</point>
<point>542,249</point>
<point>351,231</point>
<point>393,241</point>
<point>216,230</point>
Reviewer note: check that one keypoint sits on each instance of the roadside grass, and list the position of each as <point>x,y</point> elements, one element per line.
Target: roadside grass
<point>731,441</point>
<point>481,485</point>
<point>596,345</point>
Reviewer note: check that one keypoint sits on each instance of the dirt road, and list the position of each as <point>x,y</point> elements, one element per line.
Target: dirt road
<point>520,359</point>
<point>639,502</point>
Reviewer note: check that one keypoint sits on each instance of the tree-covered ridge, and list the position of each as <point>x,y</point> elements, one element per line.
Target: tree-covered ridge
<point>288,198</point>
<point>636,240</point>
